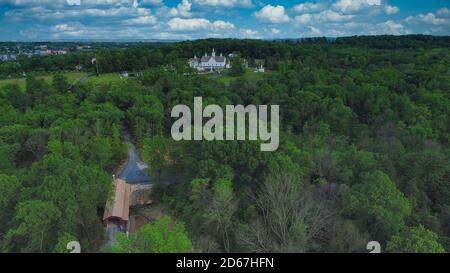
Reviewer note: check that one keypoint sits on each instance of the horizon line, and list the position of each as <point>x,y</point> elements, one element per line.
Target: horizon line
<point>211,38</point>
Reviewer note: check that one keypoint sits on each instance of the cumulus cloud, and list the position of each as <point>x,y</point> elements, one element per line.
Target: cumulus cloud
<point>196,24</point>
<point>249,33</point>
<point>191,19</point>
<point>59,3</point>
<point>148,3</point>
<point>391,27</point>
<point>303,19</point>
<point>355,6</point>
<point>391,9</point>
<point>94,15</point>
<point>72,29</point>
<point>183,9</point>
<point>315,31</point>
<point>346,17</point>
<point>273,14</point>
<point>143,20</point>
<point>224,3</point>
<point>440,18</point>
<point>179,24</point>
<point>351,7</point>
<point>275,31</point>
<point>332,16</point>
<point>219,24</point>
<point>444,12</point>
<point>322,17</point>
<point>73,2</point>
<point>309,7</point>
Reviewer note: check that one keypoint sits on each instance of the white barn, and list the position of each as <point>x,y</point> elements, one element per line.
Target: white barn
<point>212,62</point>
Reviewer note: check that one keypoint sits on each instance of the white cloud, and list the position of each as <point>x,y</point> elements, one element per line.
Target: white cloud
<point>223,25</point>
<point>192,19</point>
<point>196,24</point>
<point>59,3</point>
<point>315,31</point>
<point>49,16</point>
<point>172,36</point>
<point>179,24</point>
<point>63,27</point>
<point>437,19</point>
<point>325,16</point>
<point>309,7</point>
<point>332,16</point>
<point>144,20</point>
<point>224,3</point>
<point>444,12</point>
<point>183,9</point>
<point>391,9</point>
<point>275,31</point>
<point>355,6</point>
<point>69,29</point>
<point>73,2</point>
<point>303,19</point>
<point>273,14</point>
<point>151,3</point>
<point>391,27</point>
<point>249,33</point>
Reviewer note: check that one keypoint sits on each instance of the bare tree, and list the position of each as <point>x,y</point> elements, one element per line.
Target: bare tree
<point>291,218</point>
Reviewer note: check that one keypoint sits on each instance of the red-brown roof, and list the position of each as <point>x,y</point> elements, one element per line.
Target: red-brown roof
<point>119,206</point>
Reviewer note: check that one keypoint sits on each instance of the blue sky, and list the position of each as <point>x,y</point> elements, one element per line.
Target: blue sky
<point>194,19</point>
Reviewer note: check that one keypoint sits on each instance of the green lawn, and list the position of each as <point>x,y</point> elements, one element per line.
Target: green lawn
<point>249,75</point>
<point>71,77</point>
<point>106,78</point>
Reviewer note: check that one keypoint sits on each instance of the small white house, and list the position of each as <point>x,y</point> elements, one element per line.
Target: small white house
<point>260,69</point>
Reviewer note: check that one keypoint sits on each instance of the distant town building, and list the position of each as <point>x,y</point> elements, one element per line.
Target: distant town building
<point>6,57</point>
<point>48,52</point>
<point>83,47</point>
<point>210,63</point>
<point>62,51</point>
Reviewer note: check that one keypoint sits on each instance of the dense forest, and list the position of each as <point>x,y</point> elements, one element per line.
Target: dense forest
<point>364,148</point>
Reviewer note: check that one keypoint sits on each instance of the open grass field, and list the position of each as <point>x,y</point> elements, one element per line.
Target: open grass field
<point>106,78</point>
<point>249,75</point>
<point>71,77</point>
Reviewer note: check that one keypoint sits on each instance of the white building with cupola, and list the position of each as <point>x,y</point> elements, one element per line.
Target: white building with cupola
<point>209,63</point>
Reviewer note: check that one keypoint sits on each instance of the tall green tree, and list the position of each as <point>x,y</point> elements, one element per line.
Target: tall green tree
<point>415,240</point>
<point>37,222</point>
<point>165,235</point>
<point>237,67</point>
<point>222,209</point>
<point>378,205</point>
<point>10,188</point>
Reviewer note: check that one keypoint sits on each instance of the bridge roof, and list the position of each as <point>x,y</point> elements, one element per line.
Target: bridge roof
<point>119,206</point>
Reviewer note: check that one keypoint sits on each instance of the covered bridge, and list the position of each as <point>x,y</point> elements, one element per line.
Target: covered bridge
<point>118,208</point>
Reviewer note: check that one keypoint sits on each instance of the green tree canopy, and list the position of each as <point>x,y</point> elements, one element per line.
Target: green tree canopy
<point>377,204</point>
<point>415,240</point>
<point>165,235</point>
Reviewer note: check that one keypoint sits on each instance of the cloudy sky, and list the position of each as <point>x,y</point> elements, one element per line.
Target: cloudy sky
<point>193,19</point>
